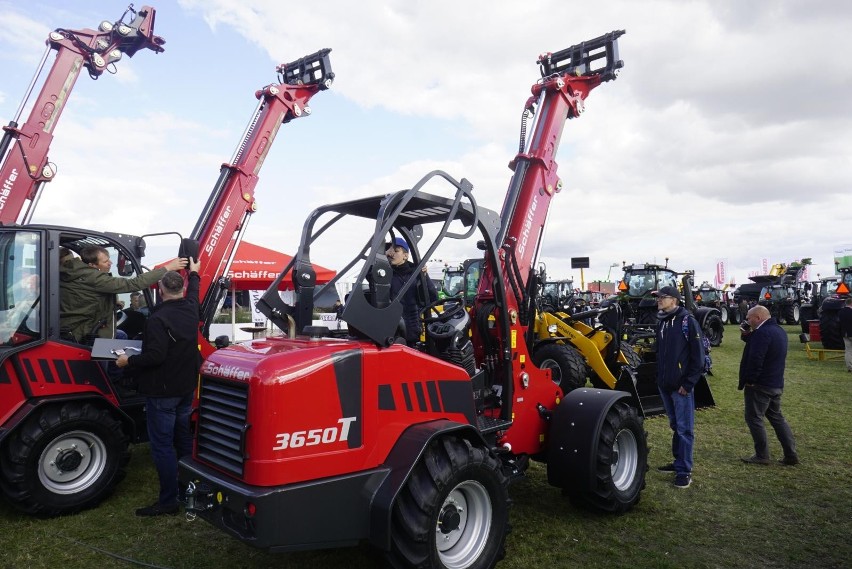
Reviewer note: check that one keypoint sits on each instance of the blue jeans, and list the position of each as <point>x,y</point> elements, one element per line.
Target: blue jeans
<point>680,410</point>
<point>168,432</point>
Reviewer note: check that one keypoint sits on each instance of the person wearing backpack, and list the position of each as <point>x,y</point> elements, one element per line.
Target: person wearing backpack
<point>680,364</point>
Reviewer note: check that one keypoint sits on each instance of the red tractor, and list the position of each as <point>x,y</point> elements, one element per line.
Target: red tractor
<point>325,438</point>
<point>66,417</point>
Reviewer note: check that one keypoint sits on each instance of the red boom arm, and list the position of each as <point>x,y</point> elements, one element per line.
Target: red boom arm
<point>25,167</point>
<point>568,77</point>
<point>222,224</point>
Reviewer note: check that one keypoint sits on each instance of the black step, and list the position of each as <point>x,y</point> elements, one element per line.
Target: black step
<point>490,424</point>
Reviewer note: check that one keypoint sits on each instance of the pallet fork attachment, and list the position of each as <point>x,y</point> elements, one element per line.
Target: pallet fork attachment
<point>584,58</point>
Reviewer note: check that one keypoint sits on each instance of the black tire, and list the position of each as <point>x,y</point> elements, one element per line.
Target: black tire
<point>734,316</point>
<point>84,439</point>
<point>792,314</point>
<point>634,360</point>
<point>621,461</point>
<point>453,512</point>
<point>714,329</point>
<point>829,329</point>
<point>648,317</point>
<point>566,364</point>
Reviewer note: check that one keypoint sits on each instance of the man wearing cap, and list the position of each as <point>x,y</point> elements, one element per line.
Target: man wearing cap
<point>397,254</point>
<point>680,361</point>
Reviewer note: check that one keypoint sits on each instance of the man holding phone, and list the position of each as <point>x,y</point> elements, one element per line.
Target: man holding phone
<point>762,382</point>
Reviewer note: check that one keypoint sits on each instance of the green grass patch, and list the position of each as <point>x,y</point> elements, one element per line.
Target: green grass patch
<point>733,515</point>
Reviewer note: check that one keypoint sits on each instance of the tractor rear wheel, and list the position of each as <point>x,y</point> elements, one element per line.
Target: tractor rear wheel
<point>734,316</point>
<point>566,364</point>
<point>829,329</point>
<point>714,329</point>
<point>64,459</point>
<point>791,314</point>
<point>453,512</point>
<point>621,461</point>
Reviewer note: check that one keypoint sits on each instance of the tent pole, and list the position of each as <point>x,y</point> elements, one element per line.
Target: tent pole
<point>233,313</point>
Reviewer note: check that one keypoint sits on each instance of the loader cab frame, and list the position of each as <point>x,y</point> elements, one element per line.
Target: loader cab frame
<point>424,220</point>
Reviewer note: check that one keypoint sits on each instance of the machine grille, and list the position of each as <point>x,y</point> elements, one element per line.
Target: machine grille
<point>222,412</point>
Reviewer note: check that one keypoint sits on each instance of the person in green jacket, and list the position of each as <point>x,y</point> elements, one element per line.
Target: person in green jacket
<point>87,301</point>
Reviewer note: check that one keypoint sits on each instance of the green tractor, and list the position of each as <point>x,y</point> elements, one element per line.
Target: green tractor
<point>829,311</point>
<point>710,296</point>
<point>818,291</point>
<point>640,307</point>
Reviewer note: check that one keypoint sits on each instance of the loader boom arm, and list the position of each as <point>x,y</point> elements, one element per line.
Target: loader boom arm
<point>505,333</point>
<point>222,223</point>
<point>23,150</point>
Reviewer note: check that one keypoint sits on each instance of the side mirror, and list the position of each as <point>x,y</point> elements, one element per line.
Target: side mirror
<point>188,248</point>
<point>123,266</point>
<point>221,342</point>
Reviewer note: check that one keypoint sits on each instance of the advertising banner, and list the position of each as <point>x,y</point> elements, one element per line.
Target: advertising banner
<point>843,257</point>
<point>721,275</point>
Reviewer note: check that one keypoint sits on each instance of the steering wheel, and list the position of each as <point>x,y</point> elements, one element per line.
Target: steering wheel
<point>453,308</point>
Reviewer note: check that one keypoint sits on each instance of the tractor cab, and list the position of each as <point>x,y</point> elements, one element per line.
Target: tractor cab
<point>636,286</point>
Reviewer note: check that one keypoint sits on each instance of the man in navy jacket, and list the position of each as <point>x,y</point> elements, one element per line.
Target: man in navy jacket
<point>762,382</point>
<point>680,362</point>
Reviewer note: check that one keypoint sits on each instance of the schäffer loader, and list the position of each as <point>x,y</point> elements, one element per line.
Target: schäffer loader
<point>323,438</point>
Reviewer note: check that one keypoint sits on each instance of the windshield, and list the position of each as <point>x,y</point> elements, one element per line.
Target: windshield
<point>827,287</point>
<point>453,282</point>
<point>20,292</point>
<point>709,295</point>
<point>773,293</point>
<point>643,281</point>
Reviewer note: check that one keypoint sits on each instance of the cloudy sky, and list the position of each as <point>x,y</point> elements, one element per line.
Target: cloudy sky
<point>727,136</point>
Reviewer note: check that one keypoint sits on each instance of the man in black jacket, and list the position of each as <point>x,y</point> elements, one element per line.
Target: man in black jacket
<point>762,382</point>
<point>167,372</point>
<point>403,270</point>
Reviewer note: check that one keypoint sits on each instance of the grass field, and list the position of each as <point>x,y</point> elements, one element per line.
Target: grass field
<point>733,515</point>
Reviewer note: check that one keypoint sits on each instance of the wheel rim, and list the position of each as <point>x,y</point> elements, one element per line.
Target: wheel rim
<point>464,524</point>
<point>625,459</point>
<point>72,462</point>
<point>555,370</point>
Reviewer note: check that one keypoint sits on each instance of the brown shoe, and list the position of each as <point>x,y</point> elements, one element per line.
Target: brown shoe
<point>754,459</point>
<point>789,461</point>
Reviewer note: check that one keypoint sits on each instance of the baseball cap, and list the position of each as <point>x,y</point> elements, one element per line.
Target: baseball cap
<point>668,291</point>
<point>400,242</point>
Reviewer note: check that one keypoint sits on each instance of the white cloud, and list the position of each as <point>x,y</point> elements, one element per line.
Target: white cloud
<point>727,134</point>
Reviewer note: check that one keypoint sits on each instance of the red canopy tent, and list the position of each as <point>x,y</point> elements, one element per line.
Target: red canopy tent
<point>255,267</point>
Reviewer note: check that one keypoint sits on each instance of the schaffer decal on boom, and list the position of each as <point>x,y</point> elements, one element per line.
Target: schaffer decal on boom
<point>7,187</point>
<point>528,221</point>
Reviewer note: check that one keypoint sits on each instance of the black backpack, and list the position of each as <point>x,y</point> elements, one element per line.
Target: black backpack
<point>708,361</point>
